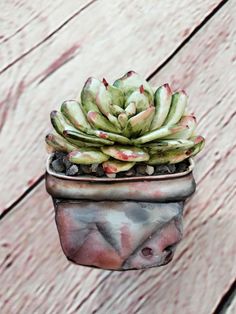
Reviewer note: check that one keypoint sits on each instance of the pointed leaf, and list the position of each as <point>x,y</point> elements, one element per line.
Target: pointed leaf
<point>176,156</point>
<point>115,122</point>
<point>123,119</point>
<point>162,101</point>
<point>58,143</point>
<point>140,123</point>
<point>103,100</point>
<point>89,93</point>
<point>199,142</point>
<point>98,121</point>
<point>116,110</point>
<point>177,108</point>
<point>140,100</point>
<point>117,96</point>
<point>73,112</point>
<point>130,82</point>
<point>189,124</point>
<point>130,110</point>
<point>59,123</point>
<point>167,157</point>
<point>157,134</point>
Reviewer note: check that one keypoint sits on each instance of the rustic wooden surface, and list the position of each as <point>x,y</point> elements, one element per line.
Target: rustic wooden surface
<point>139,35</point>
<point>47,50</point>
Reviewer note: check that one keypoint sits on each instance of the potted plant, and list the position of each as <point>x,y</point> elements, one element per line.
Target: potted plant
<point>120,171</point>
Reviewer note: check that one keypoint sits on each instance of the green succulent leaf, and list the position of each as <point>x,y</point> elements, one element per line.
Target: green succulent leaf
<point>199,143</point>
<point>98,121</point>
<point>130,82</point>
<point>112,137</point>
<point>175,156</point>
<point>59,123</point>
<point>140,123</point>
<point>75,135</point>
<point>116,110</point>
<point>139,99</point>
<point>115,166</point>
<point>73,112</point>
<point>117,96</point>
<point>162,101</point>
<point>130,110</point>
<point>167,157</point>
<point>103,100</point>
<point>125,121</point>
<point>126,153</point>
<point>83,143</point>
<point>164,145</point>
<point>158,134</point>
<point>58,143</point>
<point>177,108</point>
<point>87,156</point>
<point>89,93</point>
<point>189,124</point>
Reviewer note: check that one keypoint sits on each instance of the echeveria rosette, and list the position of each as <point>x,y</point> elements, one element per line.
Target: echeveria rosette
<point>125,123</point>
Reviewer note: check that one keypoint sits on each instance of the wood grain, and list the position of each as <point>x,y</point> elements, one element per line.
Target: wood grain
<point>38,279</point>
<point>136,35</point>
<point>25,25</point>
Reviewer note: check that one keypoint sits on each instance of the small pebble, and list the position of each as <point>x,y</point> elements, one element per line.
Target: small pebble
<point>129,173</point>
<point>111,175</point>
<point>141,169</point>
<point>99,171</point>
<point>73,170</point>
<point>61,164</point>
<point>66,162</point>
<point>58,165</point>
<point>86,169</point>
<point>94,167</point>
<point>59,155</point>
<point>149,170</point>
<point>161,169</point>
<point>171,168</point>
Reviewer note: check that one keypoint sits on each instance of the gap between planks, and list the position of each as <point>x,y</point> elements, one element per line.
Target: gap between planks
<point>48,36</point>
<point>168,59</point>
<point>226,300</point>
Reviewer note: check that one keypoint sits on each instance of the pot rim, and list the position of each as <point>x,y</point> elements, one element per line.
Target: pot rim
<point>95,179</point>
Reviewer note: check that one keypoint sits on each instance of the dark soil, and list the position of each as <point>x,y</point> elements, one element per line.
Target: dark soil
<point>60,164</point>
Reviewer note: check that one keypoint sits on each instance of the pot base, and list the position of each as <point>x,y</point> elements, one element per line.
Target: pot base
<point>120,235</point>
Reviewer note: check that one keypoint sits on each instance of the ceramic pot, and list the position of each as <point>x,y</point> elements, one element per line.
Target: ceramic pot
<point>120,223</point>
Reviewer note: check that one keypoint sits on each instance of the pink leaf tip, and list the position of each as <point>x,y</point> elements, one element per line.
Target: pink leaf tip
<point>141,89</point>
<point>130,73</point>
<point>167,86</point>
<point>105,82</point>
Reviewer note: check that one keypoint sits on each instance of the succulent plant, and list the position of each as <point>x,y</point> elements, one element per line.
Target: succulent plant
<point>125,123</point>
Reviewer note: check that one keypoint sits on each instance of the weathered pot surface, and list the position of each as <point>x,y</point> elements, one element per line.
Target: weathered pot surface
<point>120,224</point>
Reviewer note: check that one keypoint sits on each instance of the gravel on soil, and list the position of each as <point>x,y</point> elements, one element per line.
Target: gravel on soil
<point>61,164</point>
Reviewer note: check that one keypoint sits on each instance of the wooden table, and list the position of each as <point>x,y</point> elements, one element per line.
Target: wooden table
<point>48,49</point>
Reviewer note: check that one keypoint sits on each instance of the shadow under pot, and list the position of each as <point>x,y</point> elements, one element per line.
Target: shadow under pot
<point>120,223</point>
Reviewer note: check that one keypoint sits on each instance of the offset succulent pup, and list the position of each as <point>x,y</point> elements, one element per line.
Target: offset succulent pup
<point>120,173</point>
<point>123,124</point>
